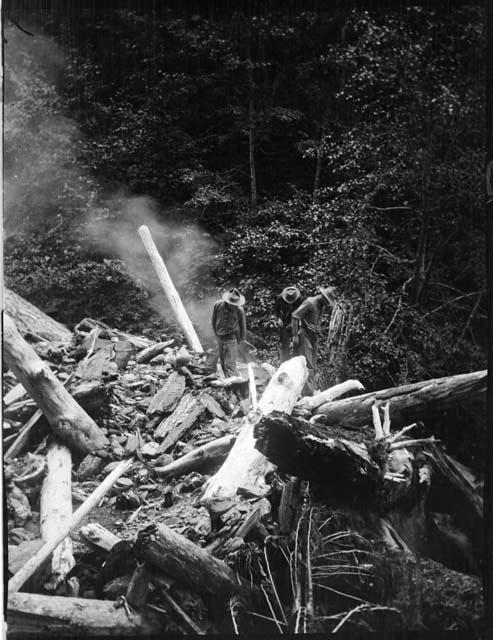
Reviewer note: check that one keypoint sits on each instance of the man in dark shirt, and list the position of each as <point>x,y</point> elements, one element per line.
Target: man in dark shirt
<point>306,324</point>
<point>288,300</point>
<point>229,324</point>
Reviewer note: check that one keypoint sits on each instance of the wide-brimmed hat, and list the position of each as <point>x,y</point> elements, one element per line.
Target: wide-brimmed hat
<point>290,294</point>
<point>329,293</point>
<point>233,296</point>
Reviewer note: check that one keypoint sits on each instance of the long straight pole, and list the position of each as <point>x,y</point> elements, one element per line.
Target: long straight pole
<point>170,291</point>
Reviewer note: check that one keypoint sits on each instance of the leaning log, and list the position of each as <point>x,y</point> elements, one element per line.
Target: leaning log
<point>170,291</point>
<point>245,467</point>
<point>67,419</point>
<point>186,562</point>
<point>30,319</point>
<point>55,510</point>
<point>409,402</point>
<point>30,614</point>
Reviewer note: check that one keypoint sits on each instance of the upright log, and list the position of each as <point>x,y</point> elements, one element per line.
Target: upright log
<point>33,615</point>
<point>67,419</point>
<point>185,561</point>
<point>409,402</point>
<point>56,510</point>
<point>245,467</point>
<point>170,291</point>
<point>30,319</point>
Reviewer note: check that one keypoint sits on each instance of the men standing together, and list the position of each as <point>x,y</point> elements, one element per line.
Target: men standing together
<point>300,323</point>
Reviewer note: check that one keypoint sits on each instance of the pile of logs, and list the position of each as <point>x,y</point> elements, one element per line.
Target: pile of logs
<point>196,473</point>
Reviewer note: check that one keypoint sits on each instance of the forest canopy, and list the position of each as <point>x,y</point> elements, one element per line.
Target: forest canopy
<point>307,145</point>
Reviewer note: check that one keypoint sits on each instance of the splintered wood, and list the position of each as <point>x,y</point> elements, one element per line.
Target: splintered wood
<point>246,467</point>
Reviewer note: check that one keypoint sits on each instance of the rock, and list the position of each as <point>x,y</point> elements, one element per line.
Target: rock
<point>121,485</point>
<point>128,500</point>
<point>18,508</point>
<point>150,450</point>
<point>164,459</point>
<point>89,467</point>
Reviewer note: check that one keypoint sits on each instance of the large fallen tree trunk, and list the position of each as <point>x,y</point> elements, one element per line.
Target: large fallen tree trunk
<point>181,559</point>
<point>66,417</point>
<point>327,456</point>
<point>55,510</point>
<point>245,467</point>
<point>30,319</point>
<point>409,402</point>
<point>57,616</point>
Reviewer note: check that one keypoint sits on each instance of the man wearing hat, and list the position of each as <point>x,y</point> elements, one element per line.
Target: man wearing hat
<point>229,324</point>
<point>306,325</point>
<point>286,302</point>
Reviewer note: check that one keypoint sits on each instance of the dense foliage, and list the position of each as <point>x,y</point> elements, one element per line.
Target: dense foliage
<point>316,147</point>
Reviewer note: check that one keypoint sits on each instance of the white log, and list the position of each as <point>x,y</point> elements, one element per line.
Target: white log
<point>246,467</point>
<point>34,615</point>
<point>332,393</point>
<point>55,510</point>
<point>170,291</point>
<point>97,537</point>
<point>16,582</point>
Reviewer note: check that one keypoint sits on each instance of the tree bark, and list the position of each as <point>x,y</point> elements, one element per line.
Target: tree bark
<point>189,564</point>
<point>170,291</point>
<point>30,319</point>
<point>313,402</point>
<point>182,419</point>
<point>67,419</point>
<point>210,452</point>
<point>56,510</point>
<point>167,397</point>
<point>327,456</point>
<point>245,467</point>
<point>57,616</point>
<point>409,402</point>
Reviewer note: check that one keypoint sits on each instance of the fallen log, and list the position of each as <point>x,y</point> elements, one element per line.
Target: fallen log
<point>29,319</point>
<point>166,398</point>
<point>181,559</point>
<point>409,402</point>
<point>57,616</point>
<point>67,419</point>
<point>210,452</point>
<point>313,402</point>
<point>56,511</point>
<point>16,582</point>
<point>327,456</point>
<point>88,324</point>
<point>170,291</point>
<point>245,467</point>
<point>97,537</point>
<point>182,419</point>
<point>148,353</point>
